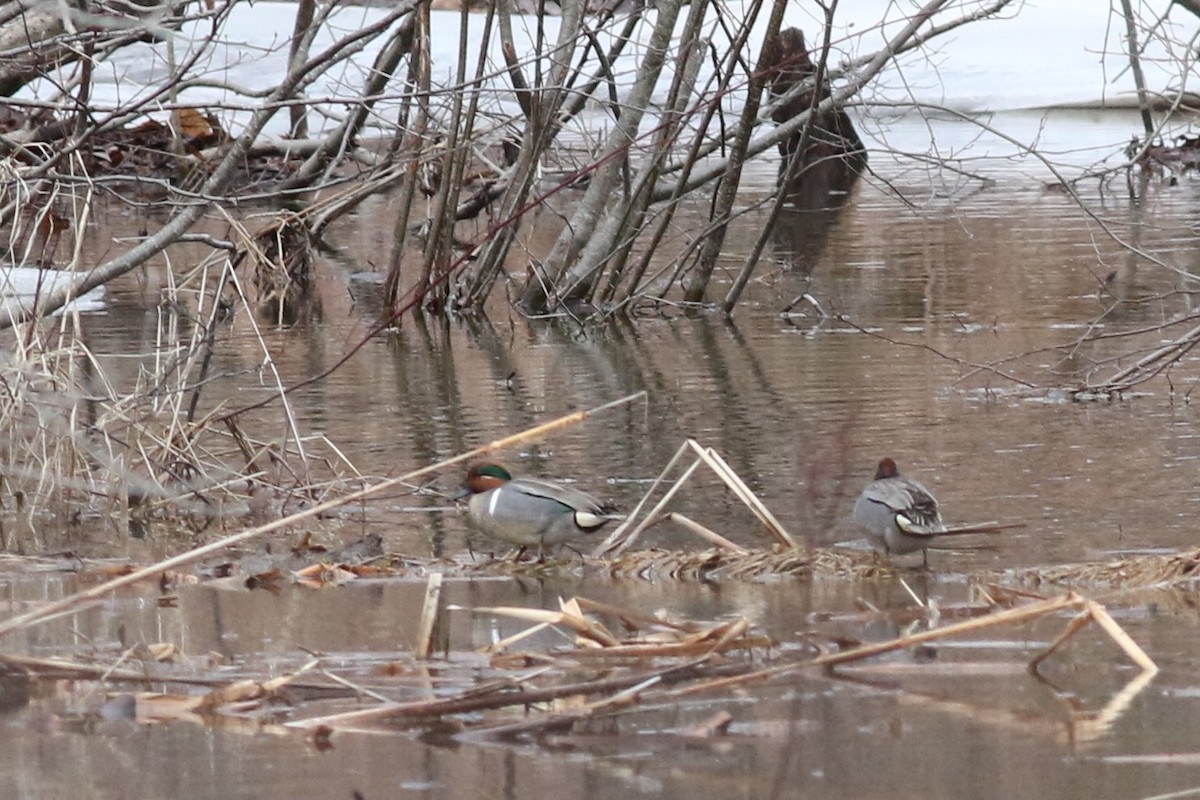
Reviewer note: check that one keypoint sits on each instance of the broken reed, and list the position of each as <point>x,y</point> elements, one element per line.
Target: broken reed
<point>653,661</point>
<point>125,438</point>
<point>75,602</point>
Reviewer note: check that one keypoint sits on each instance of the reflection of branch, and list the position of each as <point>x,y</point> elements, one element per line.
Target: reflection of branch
<point>1153,363</point>
<point>953,359</point>
<point>1088,727</point>
<point>1043,608</point>
<point>1081,726</point>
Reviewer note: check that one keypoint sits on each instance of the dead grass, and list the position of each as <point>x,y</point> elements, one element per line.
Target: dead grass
<point>697,565</point>
<point>1161,571</point>
<point>128,439</point>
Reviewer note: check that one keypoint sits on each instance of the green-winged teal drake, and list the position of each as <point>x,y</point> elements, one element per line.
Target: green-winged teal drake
<point>901,516</point>
<point>528,512</point>
<point>898,515</point>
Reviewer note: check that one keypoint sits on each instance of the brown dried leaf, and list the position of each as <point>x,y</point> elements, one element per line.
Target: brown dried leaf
<point>193,125</point>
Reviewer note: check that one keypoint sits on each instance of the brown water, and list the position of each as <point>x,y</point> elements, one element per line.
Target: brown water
<point>801,406</point>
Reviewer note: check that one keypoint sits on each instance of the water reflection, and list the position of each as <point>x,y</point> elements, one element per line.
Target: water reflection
<point>803,410</point>
<point>805,226</point>
<point>946,727</point>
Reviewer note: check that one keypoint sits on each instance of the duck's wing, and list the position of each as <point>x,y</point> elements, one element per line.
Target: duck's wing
<point>915,509</point>
<point>589,512</point>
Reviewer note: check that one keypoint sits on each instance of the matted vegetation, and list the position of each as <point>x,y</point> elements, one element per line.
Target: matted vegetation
<point>608,663</point>
<point>597,672</point>
<point>1142,571</point>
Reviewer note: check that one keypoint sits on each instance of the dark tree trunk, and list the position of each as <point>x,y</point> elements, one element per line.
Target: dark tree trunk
<point>822,161</point>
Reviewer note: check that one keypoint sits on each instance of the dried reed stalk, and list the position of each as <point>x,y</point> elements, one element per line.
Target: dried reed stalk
<point>75,601</point>
<point>619,540</point>
<point>704,533</point>
<point>432,628</point>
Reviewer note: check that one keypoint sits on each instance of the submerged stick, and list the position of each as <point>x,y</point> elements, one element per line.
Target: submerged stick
<point>511,694</point>
<point>75,601</point>
<point>545,724</point>
<point>1077,623</point>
